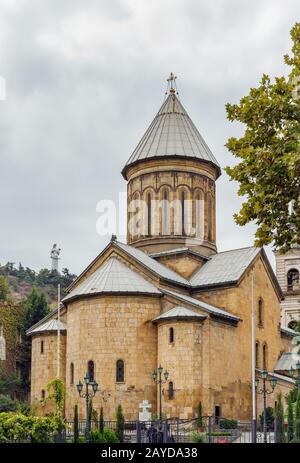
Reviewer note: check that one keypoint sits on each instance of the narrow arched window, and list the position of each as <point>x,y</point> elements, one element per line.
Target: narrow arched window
<point>293,279</point>
<point>257,354</point>
<point>265,356</point>
<point>71,374</point>
<point>43,394</point>
<point>171,335</point>
<point>171,390</point>
<point>260,313</point>
<point>165,215</point>
<point>149,212</point>
<point>42,347</point>
<point>120,374</point>
<point>91,370</point>
<point>198,216</point>
<point>209,217</point>
<point>183,213</point>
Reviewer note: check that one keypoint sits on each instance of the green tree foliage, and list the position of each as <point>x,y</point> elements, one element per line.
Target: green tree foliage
<point>279,416</point>
<point>76,425</point>
<point>290,419</point>
<point>199,417</point>
<point>120,424</point>
<point>269,152</point>
<point>4,289</point>
<point>101,421</point>
<point>10,384</point>
<point>297,417</point>
<point>36,307</point>
<point>7,404</point>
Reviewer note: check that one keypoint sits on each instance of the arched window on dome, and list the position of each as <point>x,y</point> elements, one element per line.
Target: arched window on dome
<point>209,217</point>
<point>149,214</point>
<point>165,214</point>
<point>91,370</point>
<point>293,279</point>
<point>120,371</point>
<point>199,214</point>
<point>182,201</point>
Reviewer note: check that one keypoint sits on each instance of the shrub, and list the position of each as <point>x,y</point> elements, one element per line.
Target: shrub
<point>7,404</point>
<point>97,437</point>
<point>198,437</point>
<point>228,424</point>
<point>110,436</point>
<point>16,427</point>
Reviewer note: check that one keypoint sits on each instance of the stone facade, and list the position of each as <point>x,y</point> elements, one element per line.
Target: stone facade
<point>290,306</point>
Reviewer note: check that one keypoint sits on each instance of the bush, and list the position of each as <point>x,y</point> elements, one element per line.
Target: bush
<point>107,437</point>
<point>228,424</point>
<point>120,424</point>
<point>15,427</point>
<point>198,437</point>
<point>7,404</point>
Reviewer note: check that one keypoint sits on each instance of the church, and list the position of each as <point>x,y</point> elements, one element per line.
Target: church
<point>167,297</point>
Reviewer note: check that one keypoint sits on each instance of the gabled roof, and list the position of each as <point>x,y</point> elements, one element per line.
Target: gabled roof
<point>51,325</point>
<point>201,305</point>
<point>156,267</point>
<point>225,267</point>
<point>113,276</point>
<point>172,133</point>
<point>289,332</point>
<point>171,252</point>
<point>179,312</point>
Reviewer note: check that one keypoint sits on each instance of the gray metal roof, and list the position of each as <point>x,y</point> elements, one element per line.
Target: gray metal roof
<point>202,305</point>
<point>51,325</point>
<point>289,331</point>
<point>172,133</point>
<point>113,276</point>
<point>287,360</point>
<point>179,312</point>
<point>225,267</point>
<point>171,252</point>
<point>152,264</point>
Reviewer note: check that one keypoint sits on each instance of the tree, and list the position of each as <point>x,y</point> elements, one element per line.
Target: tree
<point>76,425</point>
<point>279,420</point>
<point>269,152</point>
<point>120,424</point>
<point>101,421</point>
<point>297,418</point>
<point>290,419</point>
<point>199,417</point>
<point>4,289</point>
<point>36,307</point>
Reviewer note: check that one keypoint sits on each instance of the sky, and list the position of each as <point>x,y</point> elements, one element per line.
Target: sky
<point>83,81</point>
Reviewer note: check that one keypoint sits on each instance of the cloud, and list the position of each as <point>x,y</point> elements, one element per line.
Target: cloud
<point>84,80</point>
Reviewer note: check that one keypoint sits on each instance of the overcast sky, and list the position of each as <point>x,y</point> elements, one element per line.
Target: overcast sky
<point>85,78</point>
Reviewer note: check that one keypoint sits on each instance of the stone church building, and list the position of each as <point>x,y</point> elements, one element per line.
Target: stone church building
<point>167,297</point>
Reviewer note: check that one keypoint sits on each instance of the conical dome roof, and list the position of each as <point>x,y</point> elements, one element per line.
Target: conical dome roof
<point>172,133</point>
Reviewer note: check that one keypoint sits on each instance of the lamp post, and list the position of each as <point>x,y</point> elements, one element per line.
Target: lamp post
<point>292,372</point>
<point>264,392</point>
<point>87,395</point>
<point>160,376</point>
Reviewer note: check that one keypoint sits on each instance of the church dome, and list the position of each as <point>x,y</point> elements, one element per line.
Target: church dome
<point>172,133</point>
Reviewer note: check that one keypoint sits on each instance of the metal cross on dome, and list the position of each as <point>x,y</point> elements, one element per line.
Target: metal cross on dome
<point>172,87</point>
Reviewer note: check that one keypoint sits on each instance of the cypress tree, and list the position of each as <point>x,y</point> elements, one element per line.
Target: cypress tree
<point>101,421</point>
<point>76,424</point>
<point>297,417</point>
<point>290,417</point>
<point>279,415</point>
<point>120,424</point>
<point>199,418</point>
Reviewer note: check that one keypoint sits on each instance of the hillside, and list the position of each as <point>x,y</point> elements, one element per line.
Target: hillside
<point>22,279</point>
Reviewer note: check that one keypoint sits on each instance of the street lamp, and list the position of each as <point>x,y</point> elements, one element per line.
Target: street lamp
<point>160,378</point>
<point>292,372</point>
<point>87,395</point>
<point>264,392</point>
